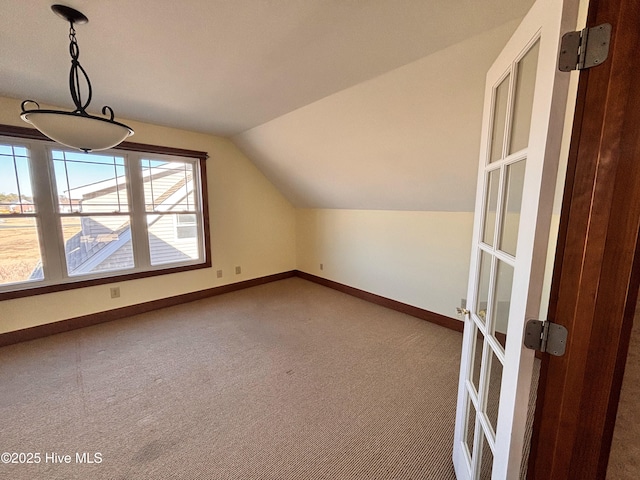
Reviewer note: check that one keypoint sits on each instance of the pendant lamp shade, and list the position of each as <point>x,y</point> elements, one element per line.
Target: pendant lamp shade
<point>87,133</point>
<point>77,129</point>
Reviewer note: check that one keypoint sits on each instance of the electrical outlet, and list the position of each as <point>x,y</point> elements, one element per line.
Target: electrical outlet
<point>322,266</point>
<point>219,273</point>
<point>238,270</point>
<point>115,292</point>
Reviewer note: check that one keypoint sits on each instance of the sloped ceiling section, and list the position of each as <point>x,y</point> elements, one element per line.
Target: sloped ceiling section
<point>405,140</point>
<point>363,104</point>
<point>225,66</point>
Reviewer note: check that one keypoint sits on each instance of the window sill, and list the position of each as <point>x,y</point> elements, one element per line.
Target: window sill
<point>73,285</point>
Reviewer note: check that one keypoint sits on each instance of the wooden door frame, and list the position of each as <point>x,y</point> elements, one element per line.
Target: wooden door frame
<point>597,270</point>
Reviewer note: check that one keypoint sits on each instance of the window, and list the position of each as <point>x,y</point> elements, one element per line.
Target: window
<point>20,253</point>
<point>93,211</point>
<point>70,219</point>
<point>186,226</point>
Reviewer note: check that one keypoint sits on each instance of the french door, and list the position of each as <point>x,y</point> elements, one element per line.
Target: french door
<point>525,98</point>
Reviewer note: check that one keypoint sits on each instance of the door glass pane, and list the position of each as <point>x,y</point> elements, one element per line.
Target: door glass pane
<point>486,468</point>
<point>523,102</point>
<point>471,426</point>
<point>514,185</point>
<point>502,301</point>
<point>499,119</point>
<point>476,360</point>
<point>491,202</point>
<point>493,394</point>
<point>483,286</point>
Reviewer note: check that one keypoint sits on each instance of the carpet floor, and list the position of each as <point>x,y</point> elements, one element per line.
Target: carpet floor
<point>288,380</point>
<point>624,460</point>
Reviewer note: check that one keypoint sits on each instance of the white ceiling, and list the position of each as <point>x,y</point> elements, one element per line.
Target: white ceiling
<point>225,66</point>
<point>408,139</point>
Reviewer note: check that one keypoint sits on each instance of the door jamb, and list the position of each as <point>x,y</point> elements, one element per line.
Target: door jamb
<point>597,268</point>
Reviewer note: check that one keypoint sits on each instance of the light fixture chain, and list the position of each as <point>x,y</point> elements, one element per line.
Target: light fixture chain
<point>76,129</point>
<point>74,76</point>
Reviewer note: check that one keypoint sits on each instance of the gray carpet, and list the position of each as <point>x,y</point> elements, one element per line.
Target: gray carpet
<point>624,460</point>
<point>288,380</point>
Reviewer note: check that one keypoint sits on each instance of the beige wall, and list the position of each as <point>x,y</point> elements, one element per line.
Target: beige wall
<point>423,118</point>
<point>252,225</point>
<point>419,258</point>
<point>405,140</point>
<point>416,257</point>
<point>418,130</point>
<point>427,113</point>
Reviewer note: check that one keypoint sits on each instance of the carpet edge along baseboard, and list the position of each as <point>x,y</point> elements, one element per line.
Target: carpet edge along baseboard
<point>67,325</point>
<point>417,312</point>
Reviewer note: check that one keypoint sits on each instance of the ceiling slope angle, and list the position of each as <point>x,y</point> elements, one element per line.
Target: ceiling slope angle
<point>406,140</point>
<point>226,66</point>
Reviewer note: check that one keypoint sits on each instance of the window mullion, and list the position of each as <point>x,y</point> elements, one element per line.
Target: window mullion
<point>199,203</point>
<point>139,234</point>
<point>50,229</point>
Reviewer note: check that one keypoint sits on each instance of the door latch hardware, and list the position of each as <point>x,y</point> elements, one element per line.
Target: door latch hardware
<point>545,337</point>
<point>585,49</point>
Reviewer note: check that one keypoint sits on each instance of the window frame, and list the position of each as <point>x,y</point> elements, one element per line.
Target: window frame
<point>70,283</point>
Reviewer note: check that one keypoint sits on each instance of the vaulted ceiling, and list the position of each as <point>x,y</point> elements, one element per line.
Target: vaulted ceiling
<point>226,67</point>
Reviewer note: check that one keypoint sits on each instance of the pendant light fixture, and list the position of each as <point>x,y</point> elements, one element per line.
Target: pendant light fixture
<point>77,129</point>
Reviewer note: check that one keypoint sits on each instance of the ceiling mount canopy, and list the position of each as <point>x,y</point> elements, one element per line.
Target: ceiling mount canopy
<point>77,129</point>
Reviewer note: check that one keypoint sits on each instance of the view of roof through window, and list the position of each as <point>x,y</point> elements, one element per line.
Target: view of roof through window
<point>94,207</point>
